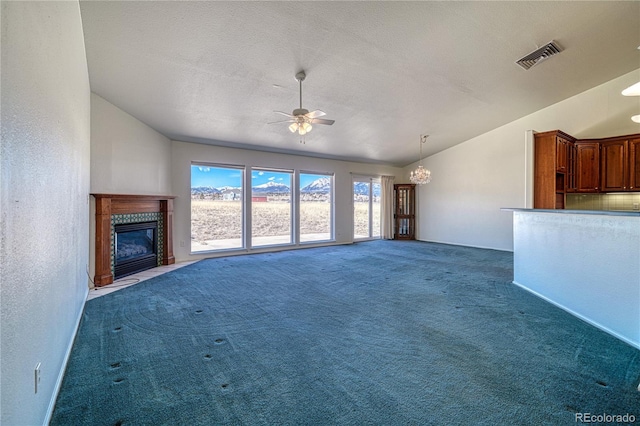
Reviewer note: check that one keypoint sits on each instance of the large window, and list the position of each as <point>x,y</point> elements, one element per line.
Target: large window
<point>366,208</point>
<point>283,207</point>
<point>271,207</point>
<point>216,207</point>
<point>316,207</point>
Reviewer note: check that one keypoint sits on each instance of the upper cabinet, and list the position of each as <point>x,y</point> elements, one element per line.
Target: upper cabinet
<point>634,164</point>
<point>587,166</point>
<point>614,161</point>
<point>552,169</point>
<point>562,146</point>
<point>563,164</point>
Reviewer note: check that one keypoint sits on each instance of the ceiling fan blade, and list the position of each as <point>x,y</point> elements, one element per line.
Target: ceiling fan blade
<point>291,120</point>
<point>284,113</point>
<point>322,121</point>
<point>316,113</point>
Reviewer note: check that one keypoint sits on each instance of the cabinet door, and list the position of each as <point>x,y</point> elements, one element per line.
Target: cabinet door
<point>561,154</point>
<point>634,164</point>
<point>613,157</point>
<point>587,167</point>
<point>570,185</point>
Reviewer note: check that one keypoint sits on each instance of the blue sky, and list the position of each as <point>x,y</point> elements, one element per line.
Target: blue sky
<point>219,177</point>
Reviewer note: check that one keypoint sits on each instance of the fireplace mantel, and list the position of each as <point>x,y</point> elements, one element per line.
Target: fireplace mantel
<point>110,205</point>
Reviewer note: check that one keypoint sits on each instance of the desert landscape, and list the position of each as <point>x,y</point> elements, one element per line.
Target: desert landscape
<point>219,219</point>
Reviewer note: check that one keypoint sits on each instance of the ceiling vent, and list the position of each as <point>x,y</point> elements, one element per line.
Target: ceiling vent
<point>539,55</point>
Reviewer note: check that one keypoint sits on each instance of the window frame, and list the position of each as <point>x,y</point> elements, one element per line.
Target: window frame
<point>243,230</point>
<point>332,207</point>
<point>370,180</point>
<point>292,202</point>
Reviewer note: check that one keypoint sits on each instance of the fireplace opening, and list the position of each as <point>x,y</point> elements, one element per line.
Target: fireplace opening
<point>135,248</point>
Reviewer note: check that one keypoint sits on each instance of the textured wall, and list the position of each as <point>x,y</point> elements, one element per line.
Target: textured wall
<point>44,200</point>
<point>183,153</point>
<point>473,180</point>
<point>127,156</point>
<point>586,263</point>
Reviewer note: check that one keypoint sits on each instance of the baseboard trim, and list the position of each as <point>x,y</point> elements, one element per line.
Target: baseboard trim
<point>580,316</point>
<point>465,245</point>
<point>63,369</point>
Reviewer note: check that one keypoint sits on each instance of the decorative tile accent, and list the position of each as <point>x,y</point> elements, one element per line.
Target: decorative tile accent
<point>119,219</point>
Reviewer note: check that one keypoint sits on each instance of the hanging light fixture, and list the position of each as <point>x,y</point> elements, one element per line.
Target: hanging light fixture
<point>300,126</point>
<point>420,176</point>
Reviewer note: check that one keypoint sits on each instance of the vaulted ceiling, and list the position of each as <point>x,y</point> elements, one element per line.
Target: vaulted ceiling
<point>214,72</point>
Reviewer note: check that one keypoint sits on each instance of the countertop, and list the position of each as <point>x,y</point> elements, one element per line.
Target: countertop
<point>633,213</point>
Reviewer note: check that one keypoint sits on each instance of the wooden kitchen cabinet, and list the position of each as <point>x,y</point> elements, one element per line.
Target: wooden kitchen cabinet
<point>551,169</point>
<point>587,166</point>
<point>570,181</point>
<point>563,164</point>
<point>562,146</point>
<point>634,164</point>
<point>614,165</point>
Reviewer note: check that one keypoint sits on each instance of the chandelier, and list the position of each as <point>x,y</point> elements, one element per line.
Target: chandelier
<point>420,176</point>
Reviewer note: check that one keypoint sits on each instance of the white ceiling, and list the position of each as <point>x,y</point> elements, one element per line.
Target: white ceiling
<point>214,72</point>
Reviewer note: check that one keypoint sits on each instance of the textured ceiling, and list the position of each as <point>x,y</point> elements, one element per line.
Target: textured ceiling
<point>214,72</point>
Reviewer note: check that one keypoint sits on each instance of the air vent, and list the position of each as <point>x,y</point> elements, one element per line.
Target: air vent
<point>539,55</point>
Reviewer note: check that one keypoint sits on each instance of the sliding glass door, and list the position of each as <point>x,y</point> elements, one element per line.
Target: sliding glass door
<point>366,208</point>
<point>316,207</point>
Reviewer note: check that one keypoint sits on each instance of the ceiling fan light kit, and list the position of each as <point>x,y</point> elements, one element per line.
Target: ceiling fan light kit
<point>301,119</point>
<point>302,128</point>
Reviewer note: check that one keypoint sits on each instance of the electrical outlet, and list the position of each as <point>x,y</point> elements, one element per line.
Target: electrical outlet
<point>36,377</point>
<point>181,243</point>
<point>636,206</point>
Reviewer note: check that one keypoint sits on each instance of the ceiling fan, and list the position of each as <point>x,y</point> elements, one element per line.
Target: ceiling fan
<point>301,119</point>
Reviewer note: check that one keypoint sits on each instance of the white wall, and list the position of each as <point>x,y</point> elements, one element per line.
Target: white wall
<point>127,156</point>
<point>184,153</point>
<point>601,285</point>
<point>44,200</point>
<point>473,180</point>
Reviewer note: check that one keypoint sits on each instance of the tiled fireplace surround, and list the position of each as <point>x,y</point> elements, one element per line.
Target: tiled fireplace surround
<point>112,209</point>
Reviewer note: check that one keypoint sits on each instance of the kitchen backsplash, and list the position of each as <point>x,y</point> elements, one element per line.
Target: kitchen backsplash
<point>619,201</point>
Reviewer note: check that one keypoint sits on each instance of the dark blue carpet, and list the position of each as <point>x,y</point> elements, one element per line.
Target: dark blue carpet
<point>379,333</point>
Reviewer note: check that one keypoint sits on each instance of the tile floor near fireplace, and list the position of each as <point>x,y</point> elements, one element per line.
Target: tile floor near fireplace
<point>134,279</point>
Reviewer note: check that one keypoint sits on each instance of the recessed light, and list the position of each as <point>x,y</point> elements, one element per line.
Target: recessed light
<point>636,118</point>
<point>633,90</point>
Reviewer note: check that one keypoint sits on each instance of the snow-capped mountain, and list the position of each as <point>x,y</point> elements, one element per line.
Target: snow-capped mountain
<point>362,188</point>
<point>271,187</point>
<point>235,189</point>
<point>204,190</point>
<point>322,185</point>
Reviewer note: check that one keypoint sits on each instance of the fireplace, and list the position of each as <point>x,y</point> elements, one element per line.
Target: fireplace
<point>114,210</point>
<point>135,248</point>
